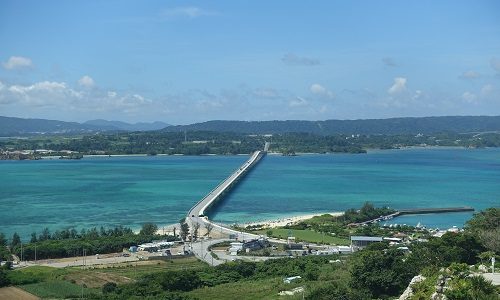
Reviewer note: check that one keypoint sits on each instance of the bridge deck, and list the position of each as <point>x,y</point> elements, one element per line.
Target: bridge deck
<point>204,204</point>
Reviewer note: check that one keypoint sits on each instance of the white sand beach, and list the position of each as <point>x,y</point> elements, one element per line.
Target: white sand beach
<point>289,220</point>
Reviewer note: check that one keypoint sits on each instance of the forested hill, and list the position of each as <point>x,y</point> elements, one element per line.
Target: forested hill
<point>19,126</point>
<point>424,125</point>
<point>10,126</point>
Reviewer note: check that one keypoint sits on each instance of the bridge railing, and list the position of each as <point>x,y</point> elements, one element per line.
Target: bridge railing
<point>246,166</point>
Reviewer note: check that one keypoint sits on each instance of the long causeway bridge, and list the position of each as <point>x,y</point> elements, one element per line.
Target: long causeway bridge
<point>197,214</point>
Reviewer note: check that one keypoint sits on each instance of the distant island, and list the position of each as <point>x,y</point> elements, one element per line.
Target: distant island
<point>237,137</point>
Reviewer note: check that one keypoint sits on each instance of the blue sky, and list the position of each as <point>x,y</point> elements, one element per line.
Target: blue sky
<point>183,62</point>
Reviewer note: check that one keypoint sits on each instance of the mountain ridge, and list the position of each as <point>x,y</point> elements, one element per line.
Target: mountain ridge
<point>10,126</point>
<point>404,125</point>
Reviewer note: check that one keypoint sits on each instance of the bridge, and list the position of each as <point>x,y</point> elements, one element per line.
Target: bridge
<point>197,214</point>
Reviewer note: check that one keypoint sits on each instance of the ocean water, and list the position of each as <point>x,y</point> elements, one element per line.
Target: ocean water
<point>412,178</point>
<point>132,190</point>
<point>105,191</point>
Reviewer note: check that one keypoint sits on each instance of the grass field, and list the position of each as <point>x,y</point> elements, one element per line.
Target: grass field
<point>58,289</point>
<point>307,236</point>
<point>60,283</point>
<point>131,270</point>
<point>257,289</point>
<point>36,274</point>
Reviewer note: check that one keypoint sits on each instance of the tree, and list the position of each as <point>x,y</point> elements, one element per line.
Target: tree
<point>488,219</point>
<point>33,238</point>
<point>3,240</point>
<point>196,227</point>
<point>333,291</point>
<point>149,229</point>
<point>109,287</point>
<point>475,287</point>
<point>185,280</point>
<point>4,280</point>
<point>209,227</point>
<point>16,240</point>
<point>490,239</point>
<point>382,273</point>
<point>184,229</point>
<point>45,235</point>
<point>485,257</point>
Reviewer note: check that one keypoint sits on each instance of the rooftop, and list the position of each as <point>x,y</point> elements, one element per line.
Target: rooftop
<point>366,238</point>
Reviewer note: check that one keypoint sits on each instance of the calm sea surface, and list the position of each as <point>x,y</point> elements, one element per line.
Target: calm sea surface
<point>133,190</point>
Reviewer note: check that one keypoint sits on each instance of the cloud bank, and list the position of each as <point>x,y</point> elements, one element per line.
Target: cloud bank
<point>17,62</point>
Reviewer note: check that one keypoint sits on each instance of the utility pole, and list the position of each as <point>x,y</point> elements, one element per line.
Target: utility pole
<point>493,265</point>
<point>35,253</point>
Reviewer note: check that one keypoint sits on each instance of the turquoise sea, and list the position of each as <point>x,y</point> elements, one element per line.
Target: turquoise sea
<point>132,190</point>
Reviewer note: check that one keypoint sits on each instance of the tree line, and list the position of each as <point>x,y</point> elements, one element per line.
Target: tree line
<point>70,242</point>
<point>223,143</point>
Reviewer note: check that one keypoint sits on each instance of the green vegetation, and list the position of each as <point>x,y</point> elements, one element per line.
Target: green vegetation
<point>57,289</point>
<point>205,142</point>
<point>48,282</point>
<point>250,289</point>
<point>486,225</point>
<point>306,236</point>
<point>136,270</point>
<point>458,284</point>
<point>392,126</point>
<point>69,242</point>
<point>334,229</point>
<point>378,272</point>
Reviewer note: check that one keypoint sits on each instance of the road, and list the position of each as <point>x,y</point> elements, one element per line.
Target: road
<point>201,251</point>
<point>201,207</point>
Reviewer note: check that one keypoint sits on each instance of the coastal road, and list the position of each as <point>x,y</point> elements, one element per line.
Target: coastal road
<point>200,250</point>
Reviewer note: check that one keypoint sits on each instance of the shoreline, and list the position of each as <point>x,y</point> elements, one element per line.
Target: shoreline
<point>368,151</point>
<point>289,220</point>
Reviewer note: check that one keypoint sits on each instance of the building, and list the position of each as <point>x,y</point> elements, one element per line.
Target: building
<point>360,242</point>
<point>257,244</point>
<point>235,248</point>
<point>344,249</point>
<point>290,279</point>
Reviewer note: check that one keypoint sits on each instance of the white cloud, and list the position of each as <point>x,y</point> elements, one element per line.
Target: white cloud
<point>298,102</point>
<point>320,90</point>
<point>398,87</point>
<point>44,86</point>
<point>86,81</point>
<point>190,12</point>
<point>470,75</point>
<point>17,62</point>
<point>59,94</point>
<point>418,94</point>
<point>469,97</point>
